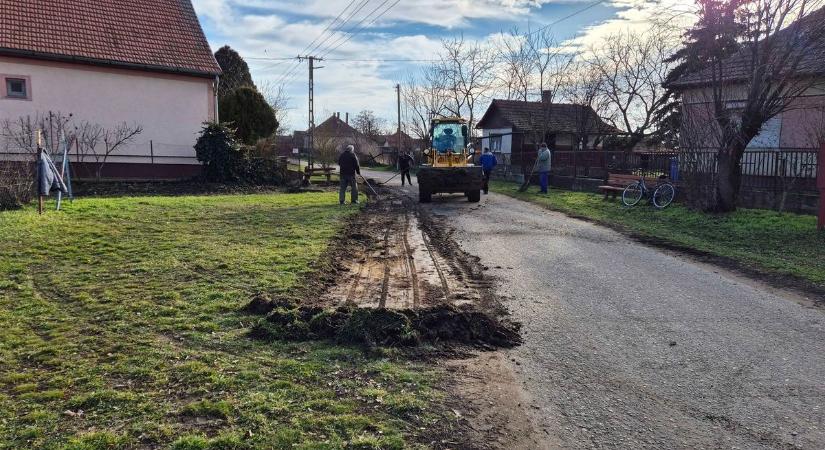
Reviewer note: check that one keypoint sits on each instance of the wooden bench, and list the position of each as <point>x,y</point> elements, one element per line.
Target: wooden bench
<point>617,182</point>
<point>309,172</point>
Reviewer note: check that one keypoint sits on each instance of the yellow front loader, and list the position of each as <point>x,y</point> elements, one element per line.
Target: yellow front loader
<point>447,168</point>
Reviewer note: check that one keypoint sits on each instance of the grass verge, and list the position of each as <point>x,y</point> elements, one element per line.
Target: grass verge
<point>754,240</point>
<point>120,327</point>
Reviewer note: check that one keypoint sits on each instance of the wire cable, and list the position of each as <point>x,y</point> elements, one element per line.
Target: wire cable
<point>292,70</point>
<point>350,17</point>
<point>361,27</point>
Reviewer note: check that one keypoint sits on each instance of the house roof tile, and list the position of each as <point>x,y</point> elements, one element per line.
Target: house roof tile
<point>161,35</point>
<point>561,117</point>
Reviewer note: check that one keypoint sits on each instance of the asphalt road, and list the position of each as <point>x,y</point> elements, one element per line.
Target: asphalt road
<point>627,346</point>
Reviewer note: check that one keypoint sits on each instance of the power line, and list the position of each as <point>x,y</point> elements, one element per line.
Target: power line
<point>340,41</point>
<point>329,26</point>
<point>361,27</point>
<point>571,15</point>
<point>291,74</point>
<point>352,14</point>
<point>292,70</point>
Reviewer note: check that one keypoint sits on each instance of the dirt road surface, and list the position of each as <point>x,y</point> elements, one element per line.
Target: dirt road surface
<point>627,346</point>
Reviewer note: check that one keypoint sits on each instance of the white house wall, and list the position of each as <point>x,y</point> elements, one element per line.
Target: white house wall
<point>506,138</point>
<point>170,108</point>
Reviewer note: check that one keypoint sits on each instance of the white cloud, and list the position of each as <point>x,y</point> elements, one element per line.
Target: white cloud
<point>259,28</point>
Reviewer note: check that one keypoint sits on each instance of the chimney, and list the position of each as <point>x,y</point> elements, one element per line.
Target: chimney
<point>347,116</point>
<point>546,96</point>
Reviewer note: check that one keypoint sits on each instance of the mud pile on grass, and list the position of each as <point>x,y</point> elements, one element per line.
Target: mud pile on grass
<point>382,327</point>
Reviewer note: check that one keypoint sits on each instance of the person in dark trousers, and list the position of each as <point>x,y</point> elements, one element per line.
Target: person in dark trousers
<point>405,163</point>
<point>488,163</point>
<point>543,166</point>
<point>349,166</point>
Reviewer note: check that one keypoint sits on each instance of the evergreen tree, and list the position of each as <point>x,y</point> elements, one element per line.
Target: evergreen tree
<point>235,71</point>
<point>249,113</point>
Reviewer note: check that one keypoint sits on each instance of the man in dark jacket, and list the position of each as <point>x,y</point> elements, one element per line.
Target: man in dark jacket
<point>405,163</point>
<point>349,166</point>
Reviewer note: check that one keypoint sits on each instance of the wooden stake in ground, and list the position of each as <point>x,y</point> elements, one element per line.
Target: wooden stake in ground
<point>39,175</point>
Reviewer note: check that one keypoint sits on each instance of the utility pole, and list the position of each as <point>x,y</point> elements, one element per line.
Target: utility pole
<point>398,94</point>
<point>311,128</point>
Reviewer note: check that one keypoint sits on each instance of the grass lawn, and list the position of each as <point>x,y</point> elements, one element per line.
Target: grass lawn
<point>120,328</point>
<point>787,244</point>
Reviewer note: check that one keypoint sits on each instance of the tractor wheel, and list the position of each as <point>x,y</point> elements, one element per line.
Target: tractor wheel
<point>474,196</point>
<point>425,197</point>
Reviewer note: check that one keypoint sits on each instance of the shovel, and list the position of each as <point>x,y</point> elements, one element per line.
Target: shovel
<point>368,185</point>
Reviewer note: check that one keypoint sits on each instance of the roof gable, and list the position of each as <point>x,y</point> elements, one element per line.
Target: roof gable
<point>335,127</point>
<point>158,35</point>
<point>493,118</point>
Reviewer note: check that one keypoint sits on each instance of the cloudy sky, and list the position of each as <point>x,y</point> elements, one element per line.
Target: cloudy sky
<point>387,30</point>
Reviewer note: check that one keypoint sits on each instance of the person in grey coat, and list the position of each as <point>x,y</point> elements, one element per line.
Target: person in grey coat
<point>349,166</point>
<point>543,163</point>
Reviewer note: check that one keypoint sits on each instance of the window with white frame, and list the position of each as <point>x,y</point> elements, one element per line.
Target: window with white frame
<point>495,144</point>
<point>17,87</point>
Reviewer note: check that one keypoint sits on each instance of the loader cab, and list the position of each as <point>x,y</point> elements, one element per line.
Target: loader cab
<point>449,136</point>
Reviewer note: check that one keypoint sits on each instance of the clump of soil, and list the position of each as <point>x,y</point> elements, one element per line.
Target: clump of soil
<point>447,324</point>
<point>263,304</point>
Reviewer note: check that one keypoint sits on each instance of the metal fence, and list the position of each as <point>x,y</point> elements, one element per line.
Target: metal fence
<point>776,170</point>
<point>768,169</point>
<point>769,176</point>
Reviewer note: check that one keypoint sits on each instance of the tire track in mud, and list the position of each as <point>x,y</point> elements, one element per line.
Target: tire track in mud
<point>395,278</point>
<point>400,266</point>
<point>444,284</point>
<point>411,263</point>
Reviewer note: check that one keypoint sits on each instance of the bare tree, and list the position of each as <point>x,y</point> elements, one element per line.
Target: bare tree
<point>326,148</point>
<point>425,97</point>
<point>763,79</point>
<point>550,62</point>
<point>583,86</point>
<point>100,143</point>
<point>468,71</point>
<point>19,144</point>
<point>87,137</point>
<point>369,124</point>
<point>279,100</point>
<point>632,68</point>
<point>514,78</point>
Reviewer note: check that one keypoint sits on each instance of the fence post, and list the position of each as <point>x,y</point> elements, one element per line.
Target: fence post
<point>820,183</point>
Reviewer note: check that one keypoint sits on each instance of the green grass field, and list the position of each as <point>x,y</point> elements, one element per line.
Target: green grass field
<point>787,244</point>
<point>120,328</point>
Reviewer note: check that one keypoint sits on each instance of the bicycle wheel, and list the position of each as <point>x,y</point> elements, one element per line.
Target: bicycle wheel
<point>663,195</point>
<point>632,194</point>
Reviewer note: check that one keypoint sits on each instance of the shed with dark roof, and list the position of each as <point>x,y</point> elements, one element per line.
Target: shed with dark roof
<point>517,127</point>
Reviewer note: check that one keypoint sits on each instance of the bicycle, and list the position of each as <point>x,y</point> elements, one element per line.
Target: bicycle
<point>663,194</point>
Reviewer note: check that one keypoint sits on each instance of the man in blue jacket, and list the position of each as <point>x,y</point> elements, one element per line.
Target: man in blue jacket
<point>488,162</point>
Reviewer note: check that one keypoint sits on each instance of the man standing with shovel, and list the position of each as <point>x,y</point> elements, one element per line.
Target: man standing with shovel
<point>349,166</point>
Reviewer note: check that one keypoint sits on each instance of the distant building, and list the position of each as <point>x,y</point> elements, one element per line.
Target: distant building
<point>110,62</point>
<point>331,138</point>
<point>389,142</point>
